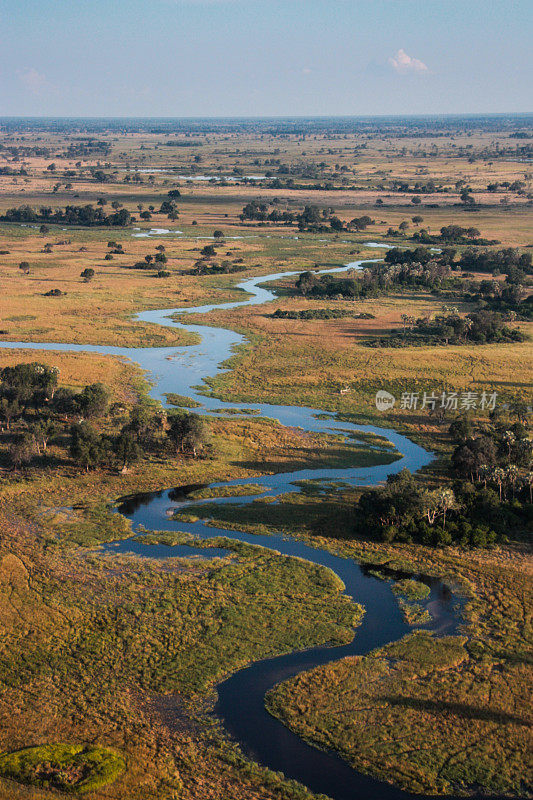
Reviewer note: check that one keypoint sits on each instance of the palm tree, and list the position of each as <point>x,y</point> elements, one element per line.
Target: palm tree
<point>509,439</point>
<point>498,476</point>
<point>511,475</point>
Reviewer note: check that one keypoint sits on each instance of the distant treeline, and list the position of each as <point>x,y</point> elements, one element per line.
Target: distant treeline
<point>393,125</point>
<point>86,216</point>
<point>311,218</point>
<point>319,313</point>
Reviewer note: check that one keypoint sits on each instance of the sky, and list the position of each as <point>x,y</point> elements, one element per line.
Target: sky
<point>181,58</point>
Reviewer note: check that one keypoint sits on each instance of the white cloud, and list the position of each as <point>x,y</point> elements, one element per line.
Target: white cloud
<point>34,81</point>
<point>403,64</point>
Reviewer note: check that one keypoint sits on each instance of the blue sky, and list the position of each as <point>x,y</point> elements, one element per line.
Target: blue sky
<point>264,57</point>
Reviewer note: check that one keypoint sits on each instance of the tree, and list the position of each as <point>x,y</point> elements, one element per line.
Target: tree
<point>187,432</point>
<point>42,431</point>
<point>87,446</point>
<point>466,197</point>
<point>23,450</point>
<point>146,424</point>
<point>33,382</point>
<point>416,200</point>
<point>438,503</point>
<point>24,267</point>
<point>469,458</point>
<point>87,274</point>
<point>461,428</point>
<point>388,509</point>
<point>417,219</point>
<point>512,475</point>
<point>218,234</point>
<point>44,229</point>
<point>10,409</point>
<point>126,448</point>
<point>528,481</point>
<point>208,251</point>
<point>498,477</point>
<point>306,282</point>
<point>65,402</point>
<point>93,401</point>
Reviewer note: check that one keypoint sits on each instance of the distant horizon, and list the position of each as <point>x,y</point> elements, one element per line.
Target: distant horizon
<point>452,115</point>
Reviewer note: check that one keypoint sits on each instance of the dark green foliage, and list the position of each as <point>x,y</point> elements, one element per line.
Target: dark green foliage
<point>23,450</point>
<point>491,502</point>
<point>187,432</point>
<point>508,261</point>
<point>93,401</point>
<point>85,216</point>
<point>126,448</point>
<point>87,447</point>
<point>319,313</point>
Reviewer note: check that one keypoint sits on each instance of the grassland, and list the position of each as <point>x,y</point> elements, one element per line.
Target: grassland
<point>104,638</point>
<point>124,654</point>
<point>433,715</point>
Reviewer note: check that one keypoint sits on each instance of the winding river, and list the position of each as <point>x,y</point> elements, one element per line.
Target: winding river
<point>263,738</point>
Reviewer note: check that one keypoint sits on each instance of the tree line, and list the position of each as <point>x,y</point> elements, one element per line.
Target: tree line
<point>85,216</point>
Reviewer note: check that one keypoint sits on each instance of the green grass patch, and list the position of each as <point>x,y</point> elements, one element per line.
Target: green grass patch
<point>227,491</point>
<point>181,401</point>
<point>72,768</point>
<point>411,589</point>
<point>414,613</point>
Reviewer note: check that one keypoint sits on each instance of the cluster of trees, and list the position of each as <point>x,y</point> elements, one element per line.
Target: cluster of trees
<point>419,255</point>
<point>428,187</point>
<point>150,261</point>
<point>310,285</point>
<point>86,216</point>
<point>170,208</point>
<point>510,299</point>
<point>146,431</point>
<point>319,313</point>
<point>452,234</point>
<point>449,327</point>
<point>479,327</point>
<point>509,261</point>
<point>499,303</point>
<point>311,218</point>
<point>488,497</point>
<point>414,268</point>
<point>35,411</point>
<point>204,267</point>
